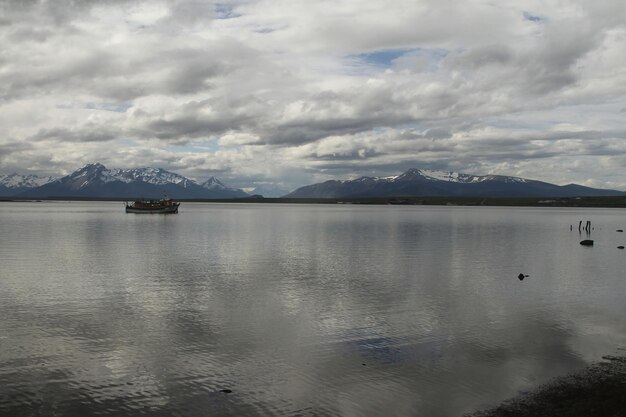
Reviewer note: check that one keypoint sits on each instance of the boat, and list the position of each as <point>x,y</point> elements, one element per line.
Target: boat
<point>398,201</point>
<point>163,206</point>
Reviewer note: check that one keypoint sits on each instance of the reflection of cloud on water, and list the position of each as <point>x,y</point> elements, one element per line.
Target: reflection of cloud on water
<point>470,370</point>
<point>380,350</point>
<point>284,309</point>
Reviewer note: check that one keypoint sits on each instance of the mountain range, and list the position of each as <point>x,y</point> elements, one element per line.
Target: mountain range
<point>96,180</point>
<point>427,183</point>
<point>14,184</point>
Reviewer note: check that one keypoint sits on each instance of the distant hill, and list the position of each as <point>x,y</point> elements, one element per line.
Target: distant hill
<point>427,183</point>
<point>268,190</point>
<point>97,181</point>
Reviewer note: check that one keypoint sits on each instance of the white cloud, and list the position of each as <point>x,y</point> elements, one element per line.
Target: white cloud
<point>261,90</point>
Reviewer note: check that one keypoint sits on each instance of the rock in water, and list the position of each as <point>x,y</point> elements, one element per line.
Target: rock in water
<point>520,277</point>
<point>620,247</point>
<point>586,242</point>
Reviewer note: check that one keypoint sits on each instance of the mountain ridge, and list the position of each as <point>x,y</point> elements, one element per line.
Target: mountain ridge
<point>429,183</point>
<point>14,183</point>
<point>95,180</point>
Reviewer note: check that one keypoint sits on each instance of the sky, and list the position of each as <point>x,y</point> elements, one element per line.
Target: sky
<point>292,92</point>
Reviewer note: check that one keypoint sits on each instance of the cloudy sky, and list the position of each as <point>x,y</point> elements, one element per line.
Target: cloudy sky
<point>291,92</point>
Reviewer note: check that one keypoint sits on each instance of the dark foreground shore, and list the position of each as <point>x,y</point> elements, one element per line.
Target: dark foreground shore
<point>597,391</point>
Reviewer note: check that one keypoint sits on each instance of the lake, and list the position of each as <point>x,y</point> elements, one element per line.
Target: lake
<point>326,310</point>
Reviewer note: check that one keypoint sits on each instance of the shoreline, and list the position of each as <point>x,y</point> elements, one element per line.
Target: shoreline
<point>597,202</point>
<point>596,391</point>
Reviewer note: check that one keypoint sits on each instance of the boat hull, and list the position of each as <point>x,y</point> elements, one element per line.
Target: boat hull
<point>153,210</point>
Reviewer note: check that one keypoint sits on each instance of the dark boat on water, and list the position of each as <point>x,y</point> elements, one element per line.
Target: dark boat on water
<point>162,206</point>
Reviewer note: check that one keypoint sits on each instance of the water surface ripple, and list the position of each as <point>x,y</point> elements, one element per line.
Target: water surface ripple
<point>298,309</point>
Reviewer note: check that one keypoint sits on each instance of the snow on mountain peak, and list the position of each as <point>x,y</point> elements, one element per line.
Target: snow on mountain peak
<point>95,178</point>
<point>156,176</point>
<point>505,179</point>
<point>213,184</point>
<point>92,172</point>
<point>23,181</point>
<point>434,175</point>
<point>451,176</point>
<point>91,168</point>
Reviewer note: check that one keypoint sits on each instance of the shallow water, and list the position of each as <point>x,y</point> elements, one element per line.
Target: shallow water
<point>299,309</point>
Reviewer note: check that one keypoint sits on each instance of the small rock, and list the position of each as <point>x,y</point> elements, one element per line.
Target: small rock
<point>586,242</point>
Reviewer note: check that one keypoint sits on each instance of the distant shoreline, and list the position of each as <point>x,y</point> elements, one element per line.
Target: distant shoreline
<point>600,202</point>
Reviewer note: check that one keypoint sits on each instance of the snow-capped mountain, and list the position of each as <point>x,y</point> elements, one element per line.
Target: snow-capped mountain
<point>423,183</point>
<point>438,175</point>
<point>96,180</point>
<point>213,184</point>
<point>156,176</point>
<point>13,184</point>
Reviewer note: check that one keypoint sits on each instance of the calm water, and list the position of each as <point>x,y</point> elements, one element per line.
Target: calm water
<point>298,309</point>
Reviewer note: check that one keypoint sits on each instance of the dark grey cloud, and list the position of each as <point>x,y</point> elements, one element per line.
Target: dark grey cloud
<point>482,56</point>
<point>186,126</point>
<point>188,13</point>
<point>195,119</point>
<point>30,34</point>
<point>301,132</point>
<point>552,67</point>
<point>86,134</point>
<point>11,147</point>
<point>532,18</point>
